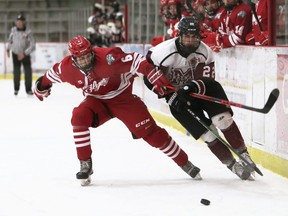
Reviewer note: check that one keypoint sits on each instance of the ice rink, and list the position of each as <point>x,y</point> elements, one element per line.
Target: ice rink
<point>38,165</point>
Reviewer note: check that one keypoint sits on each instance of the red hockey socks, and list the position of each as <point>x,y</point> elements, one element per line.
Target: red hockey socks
<point>234,137</point>
<point>221,151</point>
<point>82,143</point>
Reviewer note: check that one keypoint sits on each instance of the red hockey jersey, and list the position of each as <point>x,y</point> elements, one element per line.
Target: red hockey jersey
<point>113,73</point>
<point>235,25</point>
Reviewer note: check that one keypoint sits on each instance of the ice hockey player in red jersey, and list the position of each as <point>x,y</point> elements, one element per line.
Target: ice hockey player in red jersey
<point>188,63</point>
<point>259,36</point>
<point>105,75</point>
<point>235,22</point>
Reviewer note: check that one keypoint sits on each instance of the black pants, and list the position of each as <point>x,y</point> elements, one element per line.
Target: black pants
<point>200,107</point>
<point>17,72</point>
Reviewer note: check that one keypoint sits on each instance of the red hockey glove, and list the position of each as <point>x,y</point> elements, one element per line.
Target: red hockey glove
<point>262,39</point>
<point>159,81</point>
<point>39,92</point>
<point>213,40</point>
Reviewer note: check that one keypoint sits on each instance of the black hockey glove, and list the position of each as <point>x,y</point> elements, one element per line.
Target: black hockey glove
<point>178,102</point>
<point>181,99</point>
<point>195,86</point>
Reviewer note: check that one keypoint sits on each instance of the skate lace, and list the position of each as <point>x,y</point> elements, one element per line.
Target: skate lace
<point>85,166</point>
<point>246,156</point>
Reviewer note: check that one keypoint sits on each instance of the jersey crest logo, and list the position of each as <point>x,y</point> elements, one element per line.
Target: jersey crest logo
<point>110,59</point>
<point>241,14</point>
<point>94,86</point>
<point>193,62</point>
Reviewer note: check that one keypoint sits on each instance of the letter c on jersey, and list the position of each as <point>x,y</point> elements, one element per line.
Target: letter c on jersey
<point>142,122</point>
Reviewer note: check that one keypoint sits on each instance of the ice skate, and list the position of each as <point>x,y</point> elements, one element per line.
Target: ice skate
<point>192,170</point>
<point>247,157</point>
<point>85,172</point>
<point>237,168</point>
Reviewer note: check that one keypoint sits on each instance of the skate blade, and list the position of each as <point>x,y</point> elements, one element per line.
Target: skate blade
<point>197,177</point>
<point>252,176</point>
<point>85,182</point>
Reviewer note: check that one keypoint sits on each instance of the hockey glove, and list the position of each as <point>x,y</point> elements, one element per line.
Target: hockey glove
<point>262,39</point>
<point>159,82</point>
<point>213,40</point>
<point>178,102</point>
<point>181,99</point>
<point>195,86</point>
<point>39,91</point>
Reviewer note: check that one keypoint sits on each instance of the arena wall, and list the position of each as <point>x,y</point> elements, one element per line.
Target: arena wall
<point>248,74</point>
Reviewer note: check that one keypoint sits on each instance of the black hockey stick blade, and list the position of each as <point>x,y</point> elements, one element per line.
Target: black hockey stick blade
<point>257,170</point>
<point>271,100</point>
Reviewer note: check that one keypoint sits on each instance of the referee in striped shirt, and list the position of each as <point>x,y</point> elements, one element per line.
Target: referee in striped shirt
<point>21,43</point>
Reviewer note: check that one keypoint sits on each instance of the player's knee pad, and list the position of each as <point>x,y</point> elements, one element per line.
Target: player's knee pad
<point>157,137</point>
<point>84,117</point>
<point>208,136</point>
<point>222,120</point>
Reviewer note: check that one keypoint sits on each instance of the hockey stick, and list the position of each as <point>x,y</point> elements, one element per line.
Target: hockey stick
<point>267,107</point>
<point>253,166</point>
<point>252,6</point>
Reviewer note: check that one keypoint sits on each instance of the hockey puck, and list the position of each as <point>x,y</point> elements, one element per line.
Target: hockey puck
<point>205,202</point>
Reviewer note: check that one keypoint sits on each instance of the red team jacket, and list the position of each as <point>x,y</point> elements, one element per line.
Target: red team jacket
<point>234,25</point>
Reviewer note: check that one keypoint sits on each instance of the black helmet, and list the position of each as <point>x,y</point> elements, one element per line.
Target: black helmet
<point>21,17</point>
<point>115,5</point>
<point>189,25</point>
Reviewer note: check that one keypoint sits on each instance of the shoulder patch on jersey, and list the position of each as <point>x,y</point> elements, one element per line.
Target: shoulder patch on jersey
<point>110,59</point>
<point>217,16</point>
<point>241,14</point>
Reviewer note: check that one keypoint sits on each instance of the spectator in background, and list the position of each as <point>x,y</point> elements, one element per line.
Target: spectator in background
<point>174,16</point>
<point>259,35</point>
<point>118,30</point>
<point>113,8</point>
<point>235,22</point>
<point>106,25</point>
<point>21,42</point>
<point>164,10</point>
<point>95,20</point>
<point>164,16</point>
<point>209,23</point>
<point>98,9</point>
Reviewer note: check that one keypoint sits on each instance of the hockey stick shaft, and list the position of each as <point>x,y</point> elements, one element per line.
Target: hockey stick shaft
<point>257,19</point>
<point>252,6</point>
<point>267,107</point>
<point>253,166</point>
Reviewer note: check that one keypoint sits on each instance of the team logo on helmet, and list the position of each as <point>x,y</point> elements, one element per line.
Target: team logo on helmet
<point>189,25</point>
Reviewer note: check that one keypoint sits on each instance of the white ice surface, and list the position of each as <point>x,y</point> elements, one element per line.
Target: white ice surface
<point>38,165</point>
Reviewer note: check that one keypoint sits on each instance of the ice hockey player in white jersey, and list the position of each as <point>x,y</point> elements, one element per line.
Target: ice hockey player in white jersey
<point>188,63</point>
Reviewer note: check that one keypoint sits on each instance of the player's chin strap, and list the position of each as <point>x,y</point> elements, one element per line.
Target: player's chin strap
<point>87,69</point>
<point>273,96</point>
